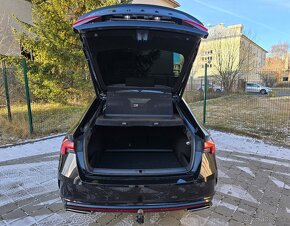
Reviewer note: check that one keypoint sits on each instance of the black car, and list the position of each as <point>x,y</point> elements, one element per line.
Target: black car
<point>138,147</point>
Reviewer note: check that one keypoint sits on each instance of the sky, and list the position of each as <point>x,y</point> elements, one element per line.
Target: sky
<point>266,22</point>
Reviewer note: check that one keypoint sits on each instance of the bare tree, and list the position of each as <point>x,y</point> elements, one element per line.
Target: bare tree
<point>279,50</point>
<point>268,78</point>
<point>232,56</point>
<point>277,60</point>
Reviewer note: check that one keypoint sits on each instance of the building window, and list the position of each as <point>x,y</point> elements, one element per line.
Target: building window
<point>285,79</point>
<point>207,52</point>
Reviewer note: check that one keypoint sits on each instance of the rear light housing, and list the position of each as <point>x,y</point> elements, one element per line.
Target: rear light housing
<point>209,146</point>
<point>67,146</point>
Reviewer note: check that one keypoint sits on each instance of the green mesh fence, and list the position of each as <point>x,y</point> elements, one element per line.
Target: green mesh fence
<point>244,111</point>
<point>264,116</point>
<point>47,118</point>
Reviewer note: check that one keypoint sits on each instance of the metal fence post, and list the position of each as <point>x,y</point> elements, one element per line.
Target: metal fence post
<point>4,74</point>
<point>204,94</point>
<point>30,124</point>
<point>191,85</point>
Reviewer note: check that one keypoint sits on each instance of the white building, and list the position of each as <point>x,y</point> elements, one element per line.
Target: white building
<point>167,3</point>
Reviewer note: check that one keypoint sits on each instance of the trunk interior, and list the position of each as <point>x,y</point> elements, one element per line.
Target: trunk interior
<point>139,147</point>
<point>138,131</point>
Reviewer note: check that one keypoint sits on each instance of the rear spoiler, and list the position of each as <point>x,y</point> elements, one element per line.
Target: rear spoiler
<point>140,15</point>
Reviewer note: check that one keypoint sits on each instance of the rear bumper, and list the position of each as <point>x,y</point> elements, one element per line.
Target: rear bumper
<point>123,196</point>
<point>85,207</point>
<point>82,197</point>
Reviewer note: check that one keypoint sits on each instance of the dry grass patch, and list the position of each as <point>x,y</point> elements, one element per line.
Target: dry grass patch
<point>47,119</point>
<point>258,116</point>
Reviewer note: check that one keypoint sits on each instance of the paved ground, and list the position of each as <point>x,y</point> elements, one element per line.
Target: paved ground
<point>253,188</point>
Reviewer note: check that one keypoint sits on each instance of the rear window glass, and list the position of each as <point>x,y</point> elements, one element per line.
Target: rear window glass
<point>122,66</point>
<point>140,58</point>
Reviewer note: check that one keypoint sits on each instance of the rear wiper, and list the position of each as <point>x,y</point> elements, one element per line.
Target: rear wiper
<point>151,91</point>
<point>128,91</point>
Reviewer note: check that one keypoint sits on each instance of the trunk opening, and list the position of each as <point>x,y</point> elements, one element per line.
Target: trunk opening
<point>139,148</point>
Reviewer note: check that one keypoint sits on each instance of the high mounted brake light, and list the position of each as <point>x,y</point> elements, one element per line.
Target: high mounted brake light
<point>67,146</point>
<point>209,146</point>
<point>195,24</point>
<point>86,20</point>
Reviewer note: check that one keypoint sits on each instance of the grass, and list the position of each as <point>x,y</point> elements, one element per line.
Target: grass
<point>47,119</point>
<point>263,117</point>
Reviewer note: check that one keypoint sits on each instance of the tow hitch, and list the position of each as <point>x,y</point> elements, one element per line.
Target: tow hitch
<point>140,216</point>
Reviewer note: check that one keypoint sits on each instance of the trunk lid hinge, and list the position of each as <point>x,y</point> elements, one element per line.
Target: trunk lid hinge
<point>176,98</point>
<point>103,95</point>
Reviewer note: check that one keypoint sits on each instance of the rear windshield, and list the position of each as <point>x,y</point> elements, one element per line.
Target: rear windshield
<point>140,58</point>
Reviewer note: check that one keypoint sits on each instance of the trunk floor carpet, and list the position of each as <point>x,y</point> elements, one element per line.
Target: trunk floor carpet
<point>138,160</point>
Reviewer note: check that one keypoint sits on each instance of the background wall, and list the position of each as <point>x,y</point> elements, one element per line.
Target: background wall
<point>9,8</point>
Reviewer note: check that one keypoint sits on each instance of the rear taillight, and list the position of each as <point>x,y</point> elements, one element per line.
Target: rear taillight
<point>209,146</point>
<point>67,146</point>
<point>195,24</point>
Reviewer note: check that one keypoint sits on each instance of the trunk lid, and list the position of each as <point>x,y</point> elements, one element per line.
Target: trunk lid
<point>140,46</point>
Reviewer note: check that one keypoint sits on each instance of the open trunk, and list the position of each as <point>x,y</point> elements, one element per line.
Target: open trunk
<point>139,148</point>
<point>139,74</point>
<point>139,130</point>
